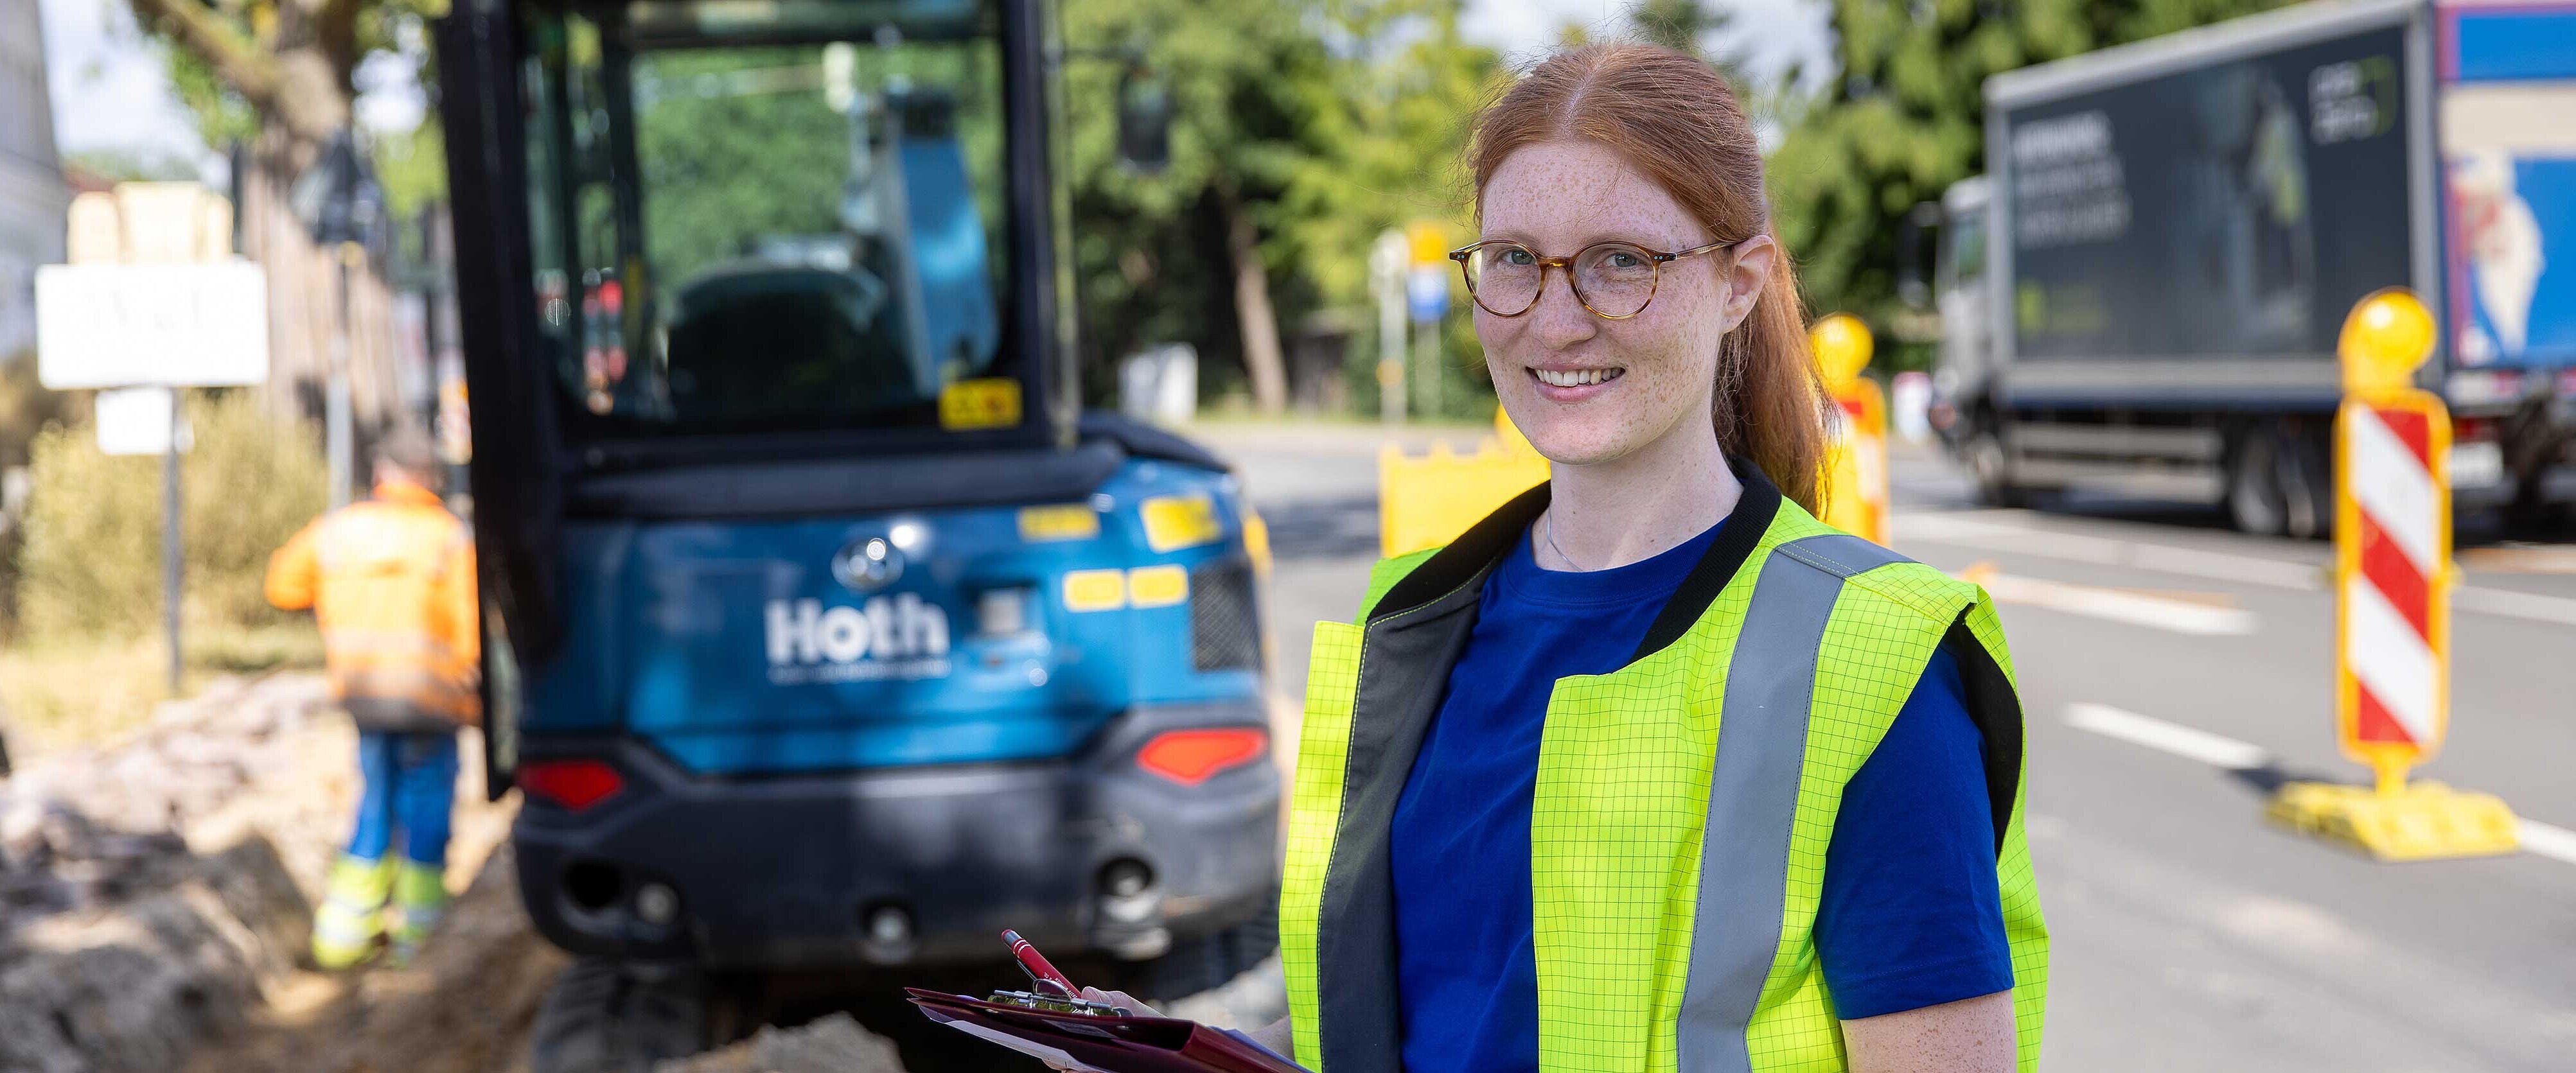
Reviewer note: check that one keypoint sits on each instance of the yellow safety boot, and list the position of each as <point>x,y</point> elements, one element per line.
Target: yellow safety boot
<point>346,927</point>
<point>420,899</point>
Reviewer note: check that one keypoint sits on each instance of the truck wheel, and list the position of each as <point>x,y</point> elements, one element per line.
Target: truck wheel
<point>1991,466</point>
<point>603,1016</point>
<point>2311,496</point>
<point>1206,962</point>
<point>2275,487</point>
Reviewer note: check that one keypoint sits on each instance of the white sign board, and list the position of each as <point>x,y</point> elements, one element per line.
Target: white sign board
<point>103,326</point>
<point>136,421</point>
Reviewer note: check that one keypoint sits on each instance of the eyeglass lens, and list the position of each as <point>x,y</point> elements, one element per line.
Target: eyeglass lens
<point>1614,279</point>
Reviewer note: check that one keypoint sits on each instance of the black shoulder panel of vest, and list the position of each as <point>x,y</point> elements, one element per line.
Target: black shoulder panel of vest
<point>1734,544</point>
<point>1996,709</point>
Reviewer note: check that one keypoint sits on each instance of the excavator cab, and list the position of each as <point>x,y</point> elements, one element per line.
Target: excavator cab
<point>826,630</point>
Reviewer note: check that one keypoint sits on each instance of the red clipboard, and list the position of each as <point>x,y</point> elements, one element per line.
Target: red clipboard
<point>1109,1043</point>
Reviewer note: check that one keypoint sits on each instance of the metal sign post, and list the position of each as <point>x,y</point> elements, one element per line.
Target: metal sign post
<point>1426,292</point>
<point>1386,276</point>
<point>172,570</point>
<point>148,421</point>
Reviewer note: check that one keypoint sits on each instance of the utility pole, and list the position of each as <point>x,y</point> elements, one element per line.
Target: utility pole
<point>339,201</point>
<point>336,432</point>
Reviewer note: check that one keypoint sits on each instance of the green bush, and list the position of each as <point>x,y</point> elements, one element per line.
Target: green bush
<point>91,562</point>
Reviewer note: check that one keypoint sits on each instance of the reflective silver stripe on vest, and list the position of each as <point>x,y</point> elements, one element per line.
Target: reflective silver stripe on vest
<point>1753,794</point>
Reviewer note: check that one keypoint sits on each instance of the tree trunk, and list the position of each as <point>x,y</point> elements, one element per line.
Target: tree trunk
<point>1252,310</point>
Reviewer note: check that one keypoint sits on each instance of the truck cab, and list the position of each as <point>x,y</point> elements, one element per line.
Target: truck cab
<point>1964,368</point>
<point>826,631</point>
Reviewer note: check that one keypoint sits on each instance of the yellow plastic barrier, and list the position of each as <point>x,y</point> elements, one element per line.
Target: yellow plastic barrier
<point>2393,568</point>
<point>1425,502</point>
<point>1856,488</point>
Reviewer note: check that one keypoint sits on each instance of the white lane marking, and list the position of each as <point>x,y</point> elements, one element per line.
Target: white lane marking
<point>2174,738</point>
<point>2105,551</point>
<point>2221,566</point>
<point>2136,609</point>
<point>1979,529</point>
<point>2394,488</point>
<point>2549,840</point>
<point>2386,654</point>
<point>2510,604</point>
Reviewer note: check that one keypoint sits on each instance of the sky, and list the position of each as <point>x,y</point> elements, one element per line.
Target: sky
<point>1770,34</point>
<point>109,92</point>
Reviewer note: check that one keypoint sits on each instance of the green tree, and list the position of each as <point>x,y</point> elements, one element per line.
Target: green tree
<point>278,77</point>
<point>281,67</point>
<point>1682,25</point>
<point>1904,118</point>
<point>1303,128</point>
<point>1191,242</point>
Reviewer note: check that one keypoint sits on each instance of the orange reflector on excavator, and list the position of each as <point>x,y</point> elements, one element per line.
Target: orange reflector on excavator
<point>1191,757</point>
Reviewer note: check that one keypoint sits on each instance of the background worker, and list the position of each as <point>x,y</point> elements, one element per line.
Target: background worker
<point>391,583</point>
<point>1650,768</point>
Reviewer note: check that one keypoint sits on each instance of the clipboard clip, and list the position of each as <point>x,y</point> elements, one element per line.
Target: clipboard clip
<point>1029,1000</point>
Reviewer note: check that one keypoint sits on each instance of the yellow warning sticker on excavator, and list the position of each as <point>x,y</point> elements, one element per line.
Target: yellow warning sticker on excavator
<point>1095,590</point>
<point>1158,586</point>
<point>992,402</point>
<point>1179,522</point>
<point>1059,521</point>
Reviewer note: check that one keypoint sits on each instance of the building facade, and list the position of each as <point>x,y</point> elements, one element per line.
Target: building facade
<point>33,195</point>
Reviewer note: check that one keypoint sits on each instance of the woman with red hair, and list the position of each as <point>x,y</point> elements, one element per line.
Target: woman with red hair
<point>1651,770</point>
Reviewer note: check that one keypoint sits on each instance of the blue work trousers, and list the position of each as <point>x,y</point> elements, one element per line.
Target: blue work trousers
<point>411,785</point>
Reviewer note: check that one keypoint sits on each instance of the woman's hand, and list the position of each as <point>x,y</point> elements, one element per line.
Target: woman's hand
<point>1111,998</point>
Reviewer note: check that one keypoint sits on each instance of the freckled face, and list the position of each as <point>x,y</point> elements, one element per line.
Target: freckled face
<point>1557,198</point>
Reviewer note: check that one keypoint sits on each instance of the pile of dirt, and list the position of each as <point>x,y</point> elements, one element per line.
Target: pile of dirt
<point>833,1044</point>
<point>156,894</point>
<point>464,1007</point>
<point>195,757</point>
<point>125,941</point>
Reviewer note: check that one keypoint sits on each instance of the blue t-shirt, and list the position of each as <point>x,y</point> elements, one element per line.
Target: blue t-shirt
<point>1910,916</point>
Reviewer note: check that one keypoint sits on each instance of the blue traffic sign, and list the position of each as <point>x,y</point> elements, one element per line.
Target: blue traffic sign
<point>1426,293</point>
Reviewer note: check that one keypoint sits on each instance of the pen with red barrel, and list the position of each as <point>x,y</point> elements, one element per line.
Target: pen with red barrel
<point>1036,964</point>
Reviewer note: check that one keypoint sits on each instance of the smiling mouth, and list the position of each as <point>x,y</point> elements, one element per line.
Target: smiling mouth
<point>1576,377</point>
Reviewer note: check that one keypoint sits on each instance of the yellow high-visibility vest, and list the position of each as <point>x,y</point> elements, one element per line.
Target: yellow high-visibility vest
<point>1759,690</point>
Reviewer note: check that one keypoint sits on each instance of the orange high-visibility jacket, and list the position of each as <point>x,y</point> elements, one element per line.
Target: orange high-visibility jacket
<point>391,581</point>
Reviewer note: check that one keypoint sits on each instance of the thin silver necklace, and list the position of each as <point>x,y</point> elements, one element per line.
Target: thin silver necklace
<point>1550,536</point>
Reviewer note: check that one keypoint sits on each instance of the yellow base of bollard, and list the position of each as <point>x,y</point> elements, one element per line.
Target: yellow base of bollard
<point>2419,821</point>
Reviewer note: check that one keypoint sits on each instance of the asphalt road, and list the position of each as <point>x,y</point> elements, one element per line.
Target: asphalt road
<point>2172,674</point>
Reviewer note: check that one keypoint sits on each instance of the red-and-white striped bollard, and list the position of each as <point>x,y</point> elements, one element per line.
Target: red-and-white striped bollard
<point>2393,581</point>
<point>2393,577</point>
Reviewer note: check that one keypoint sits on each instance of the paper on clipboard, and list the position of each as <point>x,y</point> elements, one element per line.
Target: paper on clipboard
<point>1257,1046</point>
<point>1033,1049</point>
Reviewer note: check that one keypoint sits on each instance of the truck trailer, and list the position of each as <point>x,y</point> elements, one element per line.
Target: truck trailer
<point>2144,291</point>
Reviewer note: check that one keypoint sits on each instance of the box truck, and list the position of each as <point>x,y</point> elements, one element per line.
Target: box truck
<point>2144,290</point>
